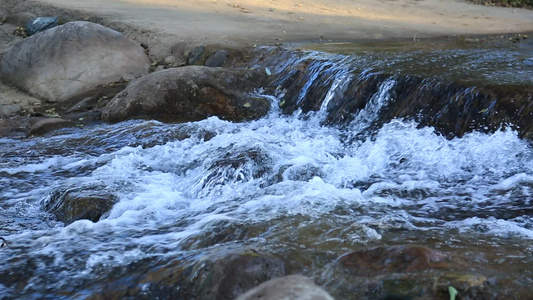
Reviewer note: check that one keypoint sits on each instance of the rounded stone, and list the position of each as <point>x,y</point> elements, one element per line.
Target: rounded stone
<point>71,60</point>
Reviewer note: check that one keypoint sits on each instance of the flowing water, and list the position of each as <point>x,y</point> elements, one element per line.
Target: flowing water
<point>284,184</point>
<point>476,61</point>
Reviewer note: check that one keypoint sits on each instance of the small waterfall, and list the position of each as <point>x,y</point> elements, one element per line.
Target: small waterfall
<point>369,114</point>
<point>342,90</point>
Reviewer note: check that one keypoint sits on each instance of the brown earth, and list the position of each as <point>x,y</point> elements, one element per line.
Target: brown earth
<point>248,22</point>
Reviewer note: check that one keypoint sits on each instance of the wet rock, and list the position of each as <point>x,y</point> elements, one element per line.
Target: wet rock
<point>219,232</point>
<point>218,275</point>
<point>238,164</point>
<point>289,287</point>
<point>398,289</point>
<point>19,275</point>
<point>196,54</point>
<point>23,127</point>
<point>454,109</point>
<point>77,203</point>
<point>40,126</point>
<point>146,278</point>
<point>400,272</point>
<point>463,283</point>
<point>217,59</point>
<point>166,281</point>
<point>14,127</point>
<point>229,276</point>
<point>72,59</point>
<point>383,260</point>
<point>215,276</point>
<point>189,94</point>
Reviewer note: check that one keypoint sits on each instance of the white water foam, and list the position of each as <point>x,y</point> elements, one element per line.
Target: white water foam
<point>403,178</point>
<point>521,227</point>
<point>204,179</point>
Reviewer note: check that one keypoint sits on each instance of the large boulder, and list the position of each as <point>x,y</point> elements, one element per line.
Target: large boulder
<point>189,94</point>
<point>72,60</point>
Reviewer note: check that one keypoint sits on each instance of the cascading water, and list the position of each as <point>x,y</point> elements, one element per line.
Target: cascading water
<point>284,184</point>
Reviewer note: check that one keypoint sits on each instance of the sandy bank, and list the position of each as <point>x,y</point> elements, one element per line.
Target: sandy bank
<point>274,21</point>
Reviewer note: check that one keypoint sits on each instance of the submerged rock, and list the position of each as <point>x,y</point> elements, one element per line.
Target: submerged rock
<point>22,127</point>
<point>382,260</point>
<point>72,59</point>
<point>40,126</point>
<point>290,287</point>
<point>229,276</point>
<point>400,272</point>
<point>215,276</point>
<point>413,272</point>
<point>189,94</point>
<point>14,127</point>
<point>69,205</point>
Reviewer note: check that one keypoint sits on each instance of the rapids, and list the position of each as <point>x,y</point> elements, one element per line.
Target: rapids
<point>281,184</point>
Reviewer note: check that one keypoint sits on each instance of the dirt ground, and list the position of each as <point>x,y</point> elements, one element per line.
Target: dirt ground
<point>274,21</point>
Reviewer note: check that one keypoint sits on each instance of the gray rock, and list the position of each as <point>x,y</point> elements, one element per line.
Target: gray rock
<point>180,54</point>
<point>189,94</point>
<point>294,287</point>
<point>41,24</point>
<point>178,49</point>
<point>71,60</point>
<point>169,60</point>
<point>80,202</point>
<point>196,54</point>
<point>217,59</point>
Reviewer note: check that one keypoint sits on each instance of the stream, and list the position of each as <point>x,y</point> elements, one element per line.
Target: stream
<point>287,184</point>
